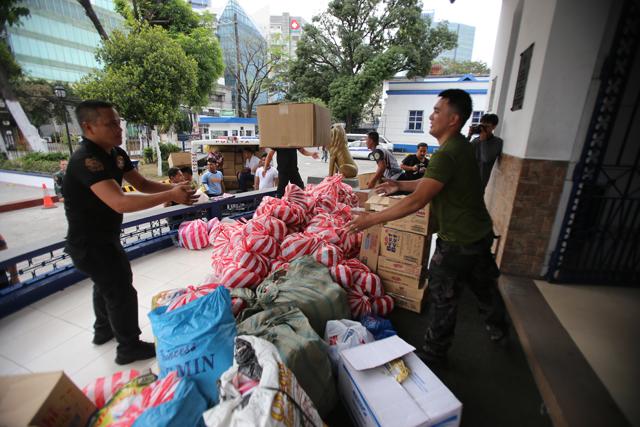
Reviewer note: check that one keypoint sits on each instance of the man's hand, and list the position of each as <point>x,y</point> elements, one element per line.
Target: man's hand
<point>361,223</point>
<point>184,194</point>
<point>415,168</point>
<point>315,155</point>
<point>387,188</point>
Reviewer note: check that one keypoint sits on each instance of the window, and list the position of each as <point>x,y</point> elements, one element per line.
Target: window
<point>476,116</point>
<point>415,121</point>
<point>248,132</point>
<point>234,132</point>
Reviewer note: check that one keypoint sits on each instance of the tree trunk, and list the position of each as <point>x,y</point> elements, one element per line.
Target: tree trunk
<point>91,14</point>
<point>348,123</point>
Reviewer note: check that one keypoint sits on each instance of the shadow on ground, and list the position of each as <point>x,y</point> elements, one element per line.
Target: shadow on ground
<point>493,381</point>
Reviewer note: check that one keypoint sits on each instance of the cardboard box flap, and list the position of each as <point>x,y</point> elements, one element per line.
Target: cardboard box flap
<point>377,353</point>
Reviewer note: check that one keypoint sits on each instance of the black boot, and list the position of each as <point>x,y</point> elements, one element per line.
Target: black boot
<point>139,350</point>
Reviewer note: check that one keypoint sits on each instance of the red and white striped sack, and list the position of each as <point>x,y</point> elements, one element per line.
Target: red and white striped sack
<point>355,264</point>
<point>349,243</point>
<point>193,234</point>
<point>160,391</point>
<point>212,223</point>
<point>267,225</point>
<point>296,195</point>
<point>238,277</point>
<point>263,245</point>
<point>328,233</point>
<point>298,245</point>
<point>237,305</point>
<point>358,303</point>
<point>191,294</point>
<point>266,206</point>
<point>328,254</point>
<point>220,264</point>
<point>342,275</point>
<point>369,283</point>
<point>279,264</point>
<point>343,212</point>
<point>382,306</point>
<point>251,261</point>
<point>102,389</point>
<point>324,204</point>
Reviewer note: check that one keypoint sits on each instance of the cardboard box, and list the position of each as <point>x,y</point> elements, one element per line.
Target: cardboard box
<point>43,399</point>
<point>370,247</point>
<point>179,159</point>
<point>363,196</point>
<point>407,303</point>
<point>373,397</point>
<point>404,246</point>
<point>396,281</point>
<point>417,222</point>
<point>405,268</point>
<point>363,178</point>
<point>294,125</point>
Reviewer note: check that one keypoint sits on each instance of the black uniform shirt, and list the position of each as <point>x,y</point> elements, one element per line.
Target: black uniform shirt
<point>287,159</point>
<point>88,215</point>
<point>413,160</point>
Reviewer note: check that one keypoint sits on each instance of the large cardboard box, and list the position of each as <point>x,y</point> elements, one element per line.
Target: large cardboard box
<point>417,222</point>
<point>394,281</point>
<point>370,247</point>
<point>293,125</point>
<point>405,268</point>
<point>407,303</point>
<point>179,159</point>
<point>404,246</point>
<point>43,399</point>
<point>374,398</point>
<point>363,196</point>
<point>363,179</point>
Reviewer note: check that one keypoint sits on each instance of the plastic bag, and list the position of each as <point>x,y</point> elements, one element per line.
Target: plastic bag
<point>380,328</point>
<point>196,340</point>
<point>260,391</point>
<point>102,389</point>
<point>344,334</point>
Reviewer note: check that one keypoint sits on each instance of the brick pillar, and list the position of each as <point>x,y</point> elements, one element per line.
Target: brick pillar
<point>522,197</point>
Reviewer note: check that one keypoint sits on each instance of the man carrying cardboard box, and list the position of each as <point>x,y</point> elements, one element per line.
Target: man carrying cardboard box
<point>465,231</point>
<point>287,166</point>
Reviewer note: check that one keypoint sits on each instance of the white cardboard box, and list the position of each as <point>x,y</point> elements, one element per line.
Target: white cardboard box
<point>374,398</point>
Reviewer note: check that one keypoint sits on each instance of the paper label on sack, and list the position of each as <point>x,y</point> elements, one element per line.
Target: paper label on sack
<point>377,353</point>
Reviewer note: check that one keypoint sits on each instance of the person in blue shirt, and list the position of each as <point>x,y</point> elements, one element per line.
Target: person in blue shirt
<point>212,180</point>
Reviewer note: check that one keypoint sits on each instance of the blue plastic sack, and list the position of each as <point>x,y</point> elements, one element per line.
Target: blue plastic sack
<point>196,340</point>
<point>185,409</point>
<point>379,327</point>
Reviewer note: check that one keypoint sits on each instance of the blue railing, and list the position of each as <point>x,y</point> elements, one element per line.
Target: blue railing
<point>45,268</point>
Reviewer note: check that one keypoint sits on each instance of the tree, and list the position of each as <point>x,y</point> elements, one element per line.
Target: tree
<point>253,75</point>
<point>147,75</point>
<point>91,14</point>
<point>347,51</point>
<point>451,67</point>
<point>39,102</point>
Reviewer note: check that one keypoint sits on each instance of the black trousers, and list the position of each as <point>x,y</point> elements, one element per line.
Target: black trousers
<point>115,300</point>
<point>288,176</point>
<point>245,180</point>
<point>451,267</point>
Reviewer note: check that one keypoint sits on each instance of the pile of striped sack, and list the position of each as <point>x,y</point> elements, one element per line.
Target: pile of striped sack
<point>304,222</point>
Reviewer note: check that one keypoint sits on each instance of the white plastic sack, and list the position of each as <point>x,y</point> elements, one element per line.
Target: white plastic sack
<point>344,334</point>
<point>275,401</point>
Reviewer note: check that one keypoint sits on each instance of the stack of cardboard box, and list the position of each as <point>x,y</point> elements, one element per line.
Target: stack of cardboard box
<point>398,252</point>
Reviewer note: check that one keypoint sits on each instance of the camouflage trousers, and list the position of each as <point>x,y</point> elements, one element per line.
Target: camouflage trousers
<point>451,267</point>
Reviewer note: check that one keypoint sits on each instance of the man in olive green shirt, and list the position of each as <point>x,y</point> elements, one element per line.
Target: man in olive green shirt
<point>465,231</point>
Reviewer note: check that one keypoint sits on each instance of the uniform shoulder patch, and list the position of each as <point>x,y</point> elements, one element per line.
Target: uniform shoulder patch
<point>120,162</point>
<point>377,156</point>
<point>93,164</point>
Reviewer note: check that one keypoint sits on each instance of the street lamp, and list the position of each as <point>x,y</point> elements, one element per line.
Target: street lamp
<point>61,94</point>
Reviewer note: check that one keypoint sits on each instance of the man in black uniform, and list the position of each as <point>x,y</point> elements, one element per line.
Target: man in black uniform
<point>94,204</point>
<point>415,165</point>
<point>287,166</point>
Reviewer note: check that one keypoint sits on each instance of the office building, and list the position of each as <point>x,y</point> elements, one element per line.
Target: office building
<point>465,34</point>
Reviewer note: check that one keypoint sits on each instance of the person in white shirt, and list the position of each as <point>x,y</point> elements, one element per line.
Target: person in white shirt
<point>247,175</point>
<point>269,179</point>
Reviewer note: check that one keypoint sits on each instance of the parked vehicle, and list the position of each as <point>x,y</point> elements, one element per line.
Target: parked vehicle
<point>357,144</point>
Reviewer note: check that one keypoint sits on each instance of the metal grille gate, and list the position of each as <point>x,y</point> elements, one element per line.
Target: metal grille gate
<point>599,242</point>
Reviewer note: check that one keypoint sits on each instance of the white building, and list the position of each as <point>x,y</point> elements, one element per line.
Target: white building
<point>213,127</point>
<point>407,104</point>
<point>286,30</point>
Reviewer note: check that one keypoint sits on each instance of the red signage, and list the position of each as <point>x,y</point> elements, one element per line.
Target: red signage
<point>294,25</point>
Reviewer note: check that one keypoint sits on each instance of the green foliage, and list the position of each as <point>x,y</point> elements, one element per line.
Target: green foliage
<point>48,157</point>
<point>148,154</point>
<point>316,101</point>
<point>451,67</point>
<point>26,164</point>
<point>10,15</point>
<point>147,75</point>
<point>346,53</point>
<point>183,125</point>
<point>39,102</point>
<point>166,149</point>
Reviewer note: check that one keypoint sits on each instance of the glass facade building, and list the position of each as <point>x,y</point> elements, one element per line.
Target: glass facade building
<point>57,41</point>
<point>466,36</point>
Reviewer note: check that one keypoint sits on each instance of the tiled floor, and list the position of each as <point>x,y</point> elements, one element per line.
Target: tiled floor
<point>604,322</point>
<point>55,333</point>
